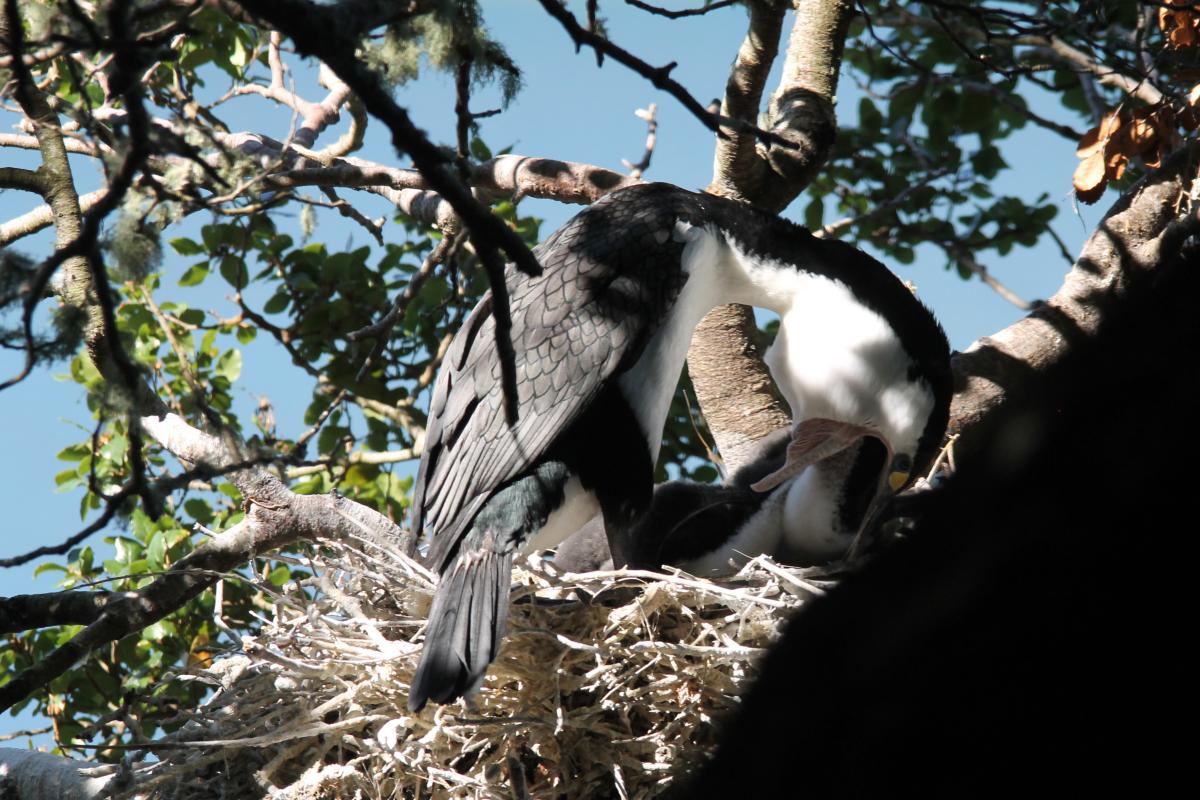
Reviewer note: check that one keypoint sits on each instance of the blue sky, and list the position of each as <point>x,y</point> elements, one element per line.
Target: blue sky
<point>569,109</point>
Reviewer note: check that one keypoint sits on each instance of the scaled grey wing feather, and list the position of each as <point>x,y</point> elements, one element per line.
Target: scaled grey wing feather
<point>584,320</point>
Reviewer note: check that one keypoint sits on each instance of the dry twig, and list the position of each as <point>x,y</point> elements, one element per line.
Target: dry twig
<point>608,683</point>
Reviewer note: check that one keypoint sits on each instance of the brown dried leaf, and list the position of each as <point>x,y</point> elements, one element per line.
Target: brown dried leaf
<point>1142,133</point>
<point>1089,177</point>
<point>1090,143</point>
<point>1181,26</point>
<point>1117,153</point>
<point>1110,123</point>
<point>1183,36</point>
<point>1090,197</point>
<point>1115,167</point>
<point>1097,138</point>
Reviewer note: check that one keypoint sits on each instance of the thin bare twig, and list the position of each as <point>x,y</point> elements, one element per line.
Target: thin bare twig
<point>833,228</point>
<point>686,12</point>
<point>659,77</point>
<point>382,328</point>
<point>966,259</point>
<point>318,30</point>
<point>649,115</point>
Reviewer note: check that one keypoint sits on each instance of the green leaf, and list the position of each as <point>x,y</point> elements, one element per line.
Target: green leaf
<point>194,275</point>
<point>48,566</point>
<point>75,452</point>
<point>156,632</point>
<point>199,510</point>
<point>214,236</point>
<point>241,55</point>
<point>229,365</point>
<point>280,575</point>
<point>337,268</point>
<point>156,550</point>
<point>479,149</point>
<point>233,270</point>
<point>67,479</point>
<point>278,302</point>
<point>988,161</point>
<point>869,118</point>
<point>193,316</point>
<point>360,475</point>
<point>186,247</point>
<point>814,214</point>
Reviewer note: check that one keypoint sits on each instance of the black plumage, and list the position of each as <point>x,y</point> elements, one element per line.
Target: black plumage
<point>600,339</point>
<point>685,518</point>
<point>713,529</point>
<point>602,295</point>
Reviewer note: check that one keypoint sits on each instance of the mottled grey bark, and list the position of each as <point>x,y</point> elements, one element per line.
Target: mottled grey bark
<point>734,389</point>
<point>1126,247</point>
<point>30,775</point>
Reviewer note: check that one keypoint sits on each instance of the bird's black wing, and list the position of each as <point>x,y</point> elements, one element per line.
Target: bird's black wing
<point>609,278</point>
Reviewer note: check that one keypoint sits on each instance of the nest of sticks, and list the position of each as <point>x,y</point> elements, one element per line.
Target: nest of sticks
<point>609,684</point>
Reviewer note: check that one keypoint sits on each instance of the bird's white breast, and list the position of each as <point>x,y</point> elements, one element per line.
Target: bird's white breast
<point>797,525</point>
<point>833,357</point>
<point>759,534</point>
<point>649,385</point>
<point>578,506</point>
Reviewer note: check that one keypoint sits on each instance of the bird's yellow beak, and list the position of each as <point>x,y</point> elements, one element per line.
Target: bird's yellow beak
<point>897,479</point>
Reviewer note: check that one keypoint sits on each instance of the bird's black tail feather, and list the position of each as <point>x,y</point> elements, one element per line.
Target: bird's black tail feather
<point>466,624</point>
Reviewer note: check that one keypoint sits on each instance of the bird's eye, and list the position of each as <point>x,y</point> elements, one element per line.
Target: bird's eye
<point>900,470</point>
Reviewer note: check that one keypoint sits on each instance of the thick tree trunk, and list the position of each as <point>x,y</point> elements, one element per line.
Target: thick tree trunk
<point>733,386</point>
<point>738,396</point>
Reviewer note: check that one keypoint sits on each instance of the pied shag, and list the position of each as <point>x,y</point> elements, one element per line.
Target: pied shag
<point>600,339</point>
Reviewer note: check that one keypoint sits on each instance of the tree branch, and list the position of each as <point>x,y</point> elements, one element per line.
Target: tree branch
<point>32,775</point>
<point>687,12</point>
<point>110,510</point>
<point>42,217</point>
<point>1143,89</point>
<point>25,612</point>
<point>1131,240</point>
<point>277,517</point>
<point>24,179</point>
<point>735,161</point>
<point>316,30</point>
<point>650,116</point>
<point>659,77</point>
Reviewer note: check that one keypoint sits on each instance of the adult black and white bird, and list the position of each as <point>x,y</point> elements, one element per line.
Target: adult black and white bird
<point>839,469</point>
<point>600,340</point>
